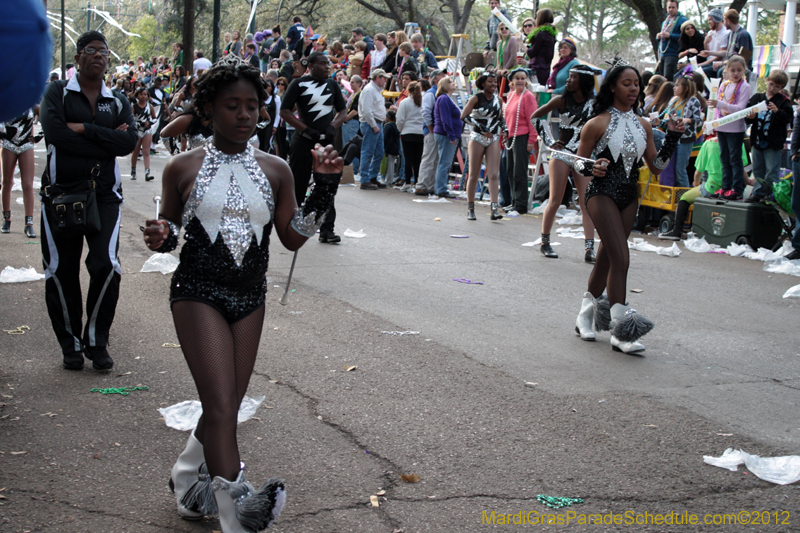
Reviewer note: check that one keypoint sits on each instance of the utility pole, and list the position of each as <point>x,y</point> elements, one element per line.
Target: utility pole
<point>63,45</point>
<point>215,31</point>
<point>188,34</point>
<point>88,16</point>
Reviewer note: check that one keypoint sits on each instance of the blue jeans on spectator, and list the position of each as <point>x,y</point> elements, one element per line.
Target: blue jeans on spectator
<point>371,152</point>
<point>766,169</point>
<point>349,130</point>
<point>796,203</point>
<point>401,174</point>
<point>682,154</point>
<point>658,138</point>
<point>730,148</point>
<point>447,151</point>
<point>668,66</point>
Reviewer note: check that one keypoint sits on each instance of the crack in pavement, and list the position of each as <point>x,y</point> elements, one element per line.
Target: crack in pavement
<point>34,496</point>
<point>390,482</point>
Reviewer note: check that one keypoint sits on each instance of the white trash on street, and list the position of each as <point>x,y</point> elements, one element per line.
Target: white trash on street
<point>164,263</point>
<point>19,275</point>
<point>183,416</point>
<point>354,234</point>
<point>780,470</point>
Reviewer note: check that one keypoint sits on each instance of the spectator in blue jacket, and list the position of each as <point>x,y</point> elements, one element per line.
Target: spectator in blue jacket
<point>447,126</point>
<point>668,41</point>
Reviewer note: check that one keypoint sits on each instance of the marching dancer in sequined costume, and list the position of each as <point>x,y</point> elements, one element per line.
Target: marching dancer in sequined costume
<point>619,141</point>
<point>484,112</point>
<point>17,148</point>
<point>575,109</point>
<point>228,197</point>
<point>196,129</point>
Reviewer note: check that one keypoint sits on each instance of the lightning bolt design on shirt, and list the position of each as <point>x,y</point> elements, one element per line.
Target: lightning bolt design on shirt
<point>318,102</point>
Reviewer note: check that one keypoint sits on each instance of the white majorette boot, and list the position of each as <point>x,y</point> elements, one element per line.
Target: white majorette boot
<point>191,483</point>
<point>584,322</point>
<point>627,326</point>
<point>242,509</point>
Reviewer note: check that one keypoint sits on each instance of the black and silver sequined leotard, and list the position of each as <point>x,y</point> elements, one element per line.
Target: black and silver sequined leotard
<point>486,116</point>
<point>227,222</point>
<point>19,133</point>
<point>197,132</point>
<point>574,117</point>
<point>623,143</point>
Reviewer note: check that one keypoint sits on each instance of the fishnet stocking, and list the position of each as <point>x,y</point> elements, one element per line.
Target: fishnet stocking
<point>613,258</point>
<point>221,357</point>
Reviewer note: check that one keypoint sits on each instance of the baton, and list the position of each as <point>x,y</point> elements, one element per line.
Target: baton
<point>157,201</point>
<point>570,155</point>
<point>285,298</point>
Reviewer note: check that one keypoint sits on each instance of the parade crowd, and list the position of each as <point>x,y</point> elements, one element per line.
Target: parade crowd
<point>386,107</point>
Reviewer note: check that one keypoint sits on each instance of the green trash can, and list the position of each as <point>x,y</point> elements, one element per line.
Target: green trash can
<point>723,222</point>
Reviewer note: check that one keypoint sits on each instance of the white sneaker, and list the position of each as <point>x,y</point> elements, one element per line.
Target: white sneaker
<point>407,188</point>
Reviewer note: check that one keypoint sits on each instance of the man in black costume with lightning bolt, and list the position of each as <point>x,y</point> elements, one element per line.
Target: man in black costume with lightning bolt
<point>321,109</point>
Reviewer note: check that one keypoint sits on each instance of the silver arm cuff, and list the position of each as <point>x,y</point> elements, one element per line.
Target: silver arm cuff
<point>307,226</point>
<point>544,131</point>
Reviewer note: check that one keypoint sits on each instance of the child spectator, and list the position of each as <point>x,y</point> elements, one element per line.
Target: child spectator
<point>356,59</point>
<point>391,145</point>
<point>651,88</point>
<point>733,95</point>
<point>686,106</point>
<point>768,133</point>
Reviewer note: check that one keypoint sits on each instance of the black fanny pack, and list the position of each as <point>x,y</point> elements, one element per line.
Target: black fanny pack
<point>72,207</point>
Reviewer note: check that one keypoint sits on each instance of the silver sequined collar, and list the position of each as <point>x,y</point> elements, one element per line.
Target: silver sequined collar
<point>624,137</point>
<point>231,197</point>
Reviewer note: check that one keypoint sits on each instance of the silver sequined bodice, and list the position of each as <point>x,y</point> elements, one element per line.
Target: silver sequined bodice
<point>231,197</point>
<point>197,140</point>
<point>625,138</point>
<point>574,118</point>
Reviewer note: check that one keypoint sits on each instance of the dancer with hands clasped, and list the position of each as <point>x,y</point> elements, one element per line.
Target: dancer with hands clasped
<point>228,196</point>
<point>619,141</point>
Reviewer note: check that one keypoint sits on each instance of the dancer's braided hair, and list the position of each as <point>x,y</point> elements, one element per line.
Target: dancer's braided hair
<point>229,69</point>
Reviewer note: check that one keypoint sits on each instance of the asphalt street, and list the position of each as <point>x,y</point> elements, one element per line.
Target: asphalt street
<point>493,402</point>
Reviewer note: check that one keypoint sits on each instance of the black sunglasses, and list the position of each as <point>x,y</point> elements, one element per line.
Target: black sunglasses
<point>527,25</point>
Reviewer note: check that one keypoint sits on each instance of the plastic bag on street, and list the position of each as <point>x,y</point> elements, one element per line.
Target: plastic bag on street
<point>763,254</point>
<point>672,251</point>
<point>783,266</point>
<point>700,246</point>
<point>354,234</point>
<point>642,246</point>
<point>184,416</point>
<point>164,263</point>
<point>571,220</point>
<point>19,275</point>
<point>738,250</point>
<point>793,292</point>
<point>540,209</point>
<point>780,470</point>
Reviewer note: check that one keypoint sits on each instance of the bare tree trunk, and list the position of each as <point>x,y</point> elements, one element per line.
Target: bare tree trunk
<point>188,34</point>
<point>566,18</point>
<point>652,13</point>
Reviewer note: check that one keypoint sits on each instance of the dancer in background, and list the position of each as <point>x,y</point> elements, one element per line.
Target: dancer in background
<point>575,109</point>
<point>321,110</point>
<point>484,112</point>
<point>17,149</point>
<point>619,140</point>
<point>228,196</point>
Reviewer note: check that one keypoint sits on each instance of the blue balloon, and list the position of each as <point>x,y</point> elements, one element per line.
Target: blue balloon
<point>24,28</point>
